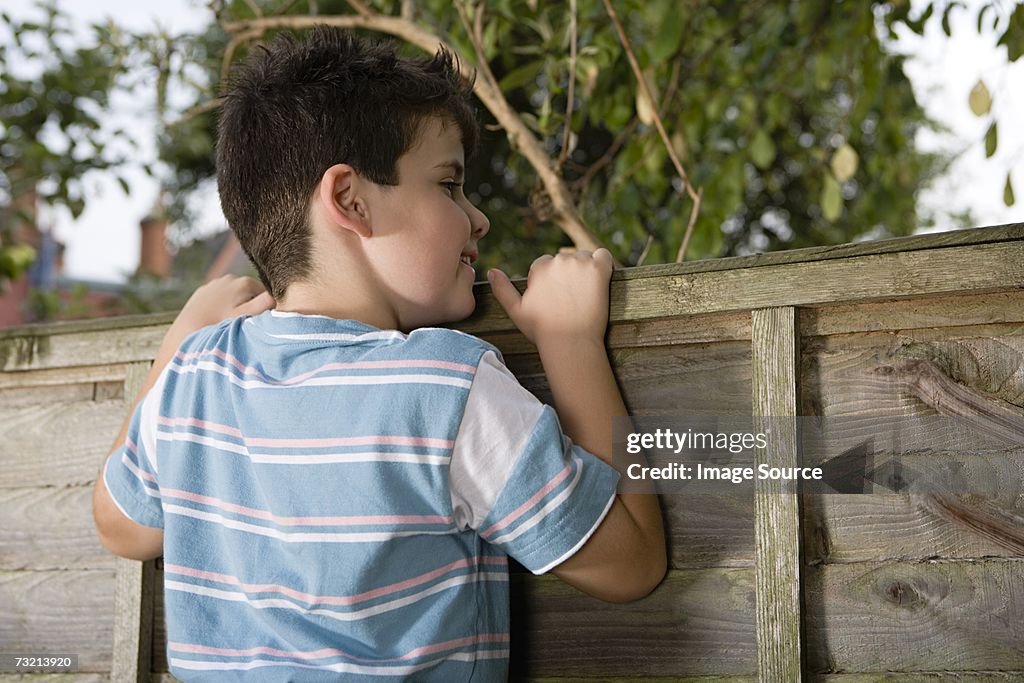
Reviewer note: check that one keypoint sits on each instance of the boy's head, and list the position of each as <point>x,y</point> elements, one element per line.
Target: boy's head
<point>297,114</point>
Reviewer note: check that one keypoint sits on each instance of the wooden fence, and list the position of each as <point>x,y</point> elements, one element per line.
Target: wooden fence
<point>767,587</point>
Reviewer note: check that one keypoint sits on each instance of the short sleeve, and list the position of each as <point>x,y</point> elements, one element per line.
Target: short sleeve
<point>131,472</point>
<point>518,480</point>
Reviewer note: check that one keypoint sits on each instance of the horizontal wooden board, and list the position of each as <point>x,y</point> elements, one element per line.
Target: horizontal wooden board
<point>17,397</point>
<point>101,345</point>
<point>923,677</point>
<point>58,444</point>
<point>86,374</point>
<point>68,612</point>
<point>911,314</point>
<point>928,616</point>
<point>981,368</point>
<point>964,269</point>
<point>861,528</point>
<point>697,622</point>
<point>50,528</point>
<point>698,329</point>
<point>692,379</point>
<point>55,678</point>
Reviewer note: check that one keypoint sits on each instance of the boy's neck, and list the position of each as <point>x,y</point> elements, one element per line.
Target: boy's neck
<point>311,300</point>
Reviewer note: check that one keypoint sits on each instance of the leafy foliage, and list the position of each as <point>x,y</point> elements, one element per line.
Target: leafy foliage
<point>791,117</point>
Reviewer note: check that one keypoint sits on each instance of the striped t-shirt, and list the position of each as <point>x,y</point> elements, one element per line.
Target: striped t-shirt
<point>340,501</point>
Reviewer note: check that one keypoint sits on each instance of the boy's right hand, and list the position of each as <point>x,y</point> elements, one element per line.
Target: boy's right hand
<point>566,297</point>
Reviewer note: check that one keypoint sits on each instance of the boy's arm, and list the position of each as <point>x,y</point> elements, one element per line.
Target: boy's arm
<point>564,312</point>
<point>226,297</point>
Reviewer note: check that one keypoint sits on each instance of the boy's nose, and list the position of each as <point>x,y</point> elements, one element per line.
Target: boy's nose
<point>479,222</point>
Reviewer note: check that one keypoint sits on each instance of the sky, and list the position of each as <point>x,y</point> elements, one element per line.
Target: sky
<point>103,243</point>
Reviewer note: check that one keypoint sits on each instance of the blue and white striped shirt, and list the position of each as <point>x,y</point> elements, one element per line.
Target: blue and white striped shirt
<point>341,500</point>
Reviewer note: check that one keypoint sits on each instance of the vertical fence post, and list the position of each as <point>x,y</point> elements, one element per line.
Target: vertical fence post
<point>133,590</point>
<point>777,514</point>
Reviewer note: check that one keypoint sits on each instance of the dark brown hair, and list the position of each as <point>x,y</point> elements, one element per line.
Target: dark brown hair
<point>297,107</point>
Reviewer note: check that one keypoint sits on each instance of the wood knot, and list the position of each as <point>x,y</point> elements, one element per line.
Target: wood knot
<point>904,595</point>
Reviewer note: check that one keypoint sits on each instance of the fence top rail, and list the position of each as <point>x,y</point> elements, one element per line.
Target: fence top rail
<point>791,277</point>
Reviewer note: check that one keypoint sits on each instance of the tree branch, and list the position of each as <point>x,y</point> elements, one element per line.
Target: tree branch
<point>695,195</point>
<point>199,109</point>
<point>229,51</point>
<point>567,132</point>
<point>360,7</point>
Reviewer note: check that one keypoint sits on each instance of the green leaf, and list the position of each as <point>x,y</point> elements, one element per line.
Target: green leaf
<point>124,185</point>
<point>823,67</point>
<point>991,139</point>
<point>520,76</point>
<point>1013,37</point>
<point>844,163</point>
<point>980,99</point>
<point>981,15</point>
<point>831,199</point>
<point>666,41</point>
<point>762,149</point>
<point>1008,192</point>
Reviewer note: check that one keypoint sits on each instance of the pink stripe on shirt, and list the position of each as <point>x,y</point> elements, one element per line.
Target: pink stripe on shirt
<point>305,521</point>
<point>336,600</point>
<point>327,652</point>
<point>354,365</point>
<point>522,509</point>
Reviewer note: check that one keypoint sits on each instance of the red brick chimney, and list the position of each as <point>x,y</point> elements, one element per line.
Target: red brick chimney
<point>155,259</point>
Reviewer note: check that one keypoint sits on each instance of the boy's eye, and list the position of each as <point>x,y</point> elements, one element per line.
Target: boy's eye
<point>450,186</point>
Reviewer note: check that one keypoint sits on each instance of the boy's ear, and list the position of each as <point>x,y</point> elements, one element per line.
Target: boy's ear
<point>340,195</point>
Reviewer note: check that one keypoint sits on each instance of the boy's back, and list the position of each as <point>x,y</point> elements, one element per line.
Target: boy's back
<point>331,496</point>
<point>337,499</point>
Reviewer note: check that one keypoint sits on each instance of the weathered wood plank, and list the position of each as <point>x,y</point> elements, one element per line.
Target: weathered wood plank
<point>862,528</point>
<point>857,274</point>
<point>699,329</point>
<point>46,348</point>
<point>890,374</point>
<point>54,678</point>
<point>905,617</point>
<point>698,622</point>
<point>113,372</point>
<point>692,379</point>
<point>924,677</point>
<point>59,611</point>
<point>968,269</point>
<point>909,314</point>
<point>17,397</point>
<point>775,346</point>
<point>50,528</point>
<point>60,444</point>
<point>135,584</point>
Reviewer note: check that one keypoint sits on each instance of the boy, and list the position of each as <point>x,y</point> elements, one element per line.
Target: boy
<point>335,486</point>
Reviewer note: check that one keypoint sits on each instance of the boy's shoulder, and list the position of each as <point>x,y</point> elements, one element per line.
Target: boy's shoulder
<point>446,341</point>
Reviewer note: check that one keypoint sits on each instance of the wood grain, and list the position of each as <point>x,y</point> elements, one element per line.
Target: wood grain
<point>50,528</point>
<point>60,612</point>
<point>775,344</point>
<point>58,444</point>
<point>930,616</point>
<point>135,584</point>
